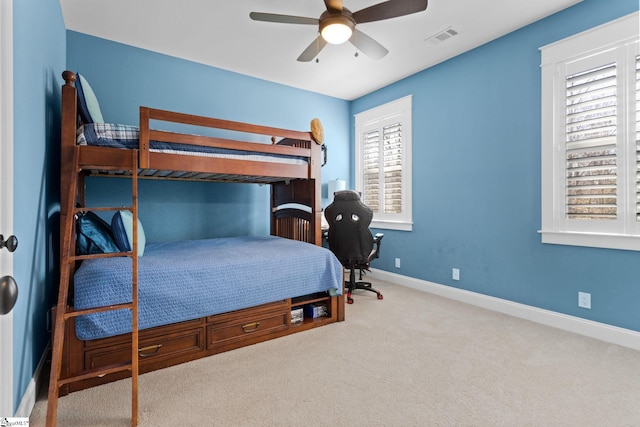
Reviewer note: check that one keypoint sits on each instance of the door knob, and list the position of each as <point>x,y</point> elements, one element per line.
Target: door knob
<point>8,294</point>
<point>11,243</point>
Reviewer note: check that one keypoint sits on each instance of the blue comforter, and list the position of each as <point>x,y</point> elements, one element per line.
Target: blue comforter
<point>186,280</point>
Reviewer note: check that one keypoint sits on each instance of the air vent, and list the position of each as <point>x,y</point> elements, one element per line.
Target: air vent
<point>442,36</point>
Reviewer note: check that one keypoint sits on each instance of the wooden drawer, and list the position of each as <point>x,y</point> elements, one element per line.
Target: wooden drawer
<point>149,350</point>
<point>144,334</point>
<point>228,331</point>
<point>231,316</point>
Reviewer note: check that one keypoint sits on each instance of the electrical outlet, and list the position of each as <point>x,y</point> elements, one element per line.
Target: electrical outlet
<point>584,300</point>
<point>397,262</point>
<point>455,274</point>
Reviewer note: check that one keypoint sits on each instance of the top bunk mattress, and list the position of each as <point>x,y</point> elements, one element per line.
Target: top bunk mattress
<point>186,280</point>
<point>127,137</point>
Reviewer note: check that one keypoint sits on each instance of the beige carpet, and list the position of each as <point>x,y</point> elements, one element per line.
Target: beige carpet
<point>412,359</point>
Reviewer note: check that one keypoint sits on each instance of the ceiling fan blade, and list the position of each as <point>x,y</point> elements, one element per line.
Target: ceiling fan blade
<point>367,45</point>
<point>333,5</point>
<point>283,19</point>
<point>389,9</point>
<point>312,50</point>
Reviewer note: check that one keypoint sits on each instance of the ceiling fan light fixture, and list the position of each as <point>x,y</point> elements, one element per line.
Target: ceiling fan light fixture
<point>336,30</point>
<point>337,24</point>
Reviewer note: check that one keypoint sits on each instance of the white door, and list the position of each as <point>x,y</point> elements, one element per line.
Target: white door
<point>6,198</point>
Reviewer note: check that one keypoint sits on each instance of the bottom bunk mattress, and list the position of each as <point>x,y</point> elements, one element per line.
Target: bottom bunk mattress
<point>186,280</point>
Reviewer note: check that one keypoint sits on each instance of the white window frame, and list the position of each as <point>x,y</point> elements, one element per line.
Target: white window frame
<point>394,111</point>
<point>619,40</point>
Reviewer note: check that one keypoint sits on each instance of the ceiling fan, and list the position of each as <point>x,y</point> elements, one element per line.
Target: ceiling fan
<point>337,24</point>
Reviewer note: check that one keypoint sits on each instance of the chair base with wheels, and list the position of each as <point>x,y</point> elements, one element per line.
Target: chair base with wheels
<point>352,285</point>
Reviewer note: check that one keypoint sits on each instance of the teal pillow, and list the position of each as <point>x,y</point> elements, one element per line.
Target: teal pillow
<point>93,235</point>
<point>122,226</point>
<point>88,102</point>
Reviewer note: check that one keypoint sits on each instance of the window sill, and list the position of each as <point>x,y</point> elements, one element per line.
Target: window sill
<point>392,225</point>
<point>593,240</point>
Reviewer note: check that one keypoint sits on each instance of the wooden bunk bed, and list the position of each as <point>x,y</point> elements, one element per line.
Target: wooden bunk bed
<point>81,363</point>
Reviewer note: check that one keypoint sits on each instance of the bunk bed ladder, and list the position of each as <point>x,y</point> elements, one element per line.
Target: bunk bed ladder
<point>64,312</point>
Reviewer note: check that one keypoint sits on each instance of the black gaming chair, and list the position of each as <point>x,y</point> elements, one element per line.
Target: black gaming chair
<point>349,237</point>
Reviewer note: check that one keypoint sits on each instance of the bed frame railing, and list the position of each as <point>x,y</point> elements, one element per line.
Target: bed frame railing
<point>147,134</point>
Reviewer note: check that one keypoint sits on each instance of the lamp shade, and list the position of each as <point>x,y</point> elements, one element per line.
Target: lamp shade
<point>336,33</point>
<point>336,185</point>
<point>336,28</point>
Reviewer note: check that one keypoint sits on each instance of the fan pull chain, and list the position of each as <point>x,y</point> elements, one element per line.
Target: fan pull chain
<point>356,43</point>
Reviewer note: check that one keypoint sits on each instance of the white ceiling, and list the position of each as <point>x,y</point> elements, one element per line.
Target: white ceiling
<point>221,34</point>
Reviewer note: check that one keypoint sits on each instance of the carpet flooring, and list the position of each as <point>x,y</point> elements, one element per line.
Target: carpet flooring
<point>412,359</point>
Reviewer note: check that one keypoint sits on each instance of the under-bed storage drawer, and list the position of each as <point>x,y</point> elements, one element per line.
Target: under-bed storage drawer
<point>246,326</point>
<point>174,345</point>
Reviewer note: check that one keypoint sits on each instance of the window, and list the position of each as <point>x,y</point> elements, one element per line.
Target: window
<point>591,138</point>
<point>383,163</point>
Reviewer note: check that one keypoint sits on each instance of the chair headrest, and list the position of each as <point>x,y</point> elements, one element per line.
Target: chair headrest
<point>346,195</point>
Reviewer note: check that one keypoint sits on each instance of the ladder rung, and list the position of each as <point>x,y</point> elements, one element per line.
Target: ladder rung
<point>118,168</point>
<point>100,372</point>
<point>102,208</point>
<point>107,255</point>
<point>76,313</point>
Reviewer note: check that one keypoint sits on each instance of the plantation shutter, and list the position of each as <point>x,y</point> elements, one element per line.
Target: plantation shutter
<point>392,142</point>
<point>382,169</point>
<point>591,137</point>
<point>590,146</point>
<point>371,169</point>
<point>383,163</point>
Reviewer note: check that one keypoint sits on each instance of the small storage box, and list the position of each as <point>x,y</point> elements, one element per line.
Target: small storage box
<point>312,311</point>
<point>297,315</point>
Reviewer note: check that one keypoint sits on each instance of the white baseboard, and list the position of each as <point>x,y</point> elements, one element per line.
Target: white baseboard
<point>589,328</point>
<point>31,394</point>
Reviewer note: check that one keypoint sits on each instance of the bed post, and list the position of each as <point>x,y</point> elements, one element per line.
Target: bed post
<point>316,193</point>
<point>143,146</point>
<point>69,117</point>
<point>68,177</point>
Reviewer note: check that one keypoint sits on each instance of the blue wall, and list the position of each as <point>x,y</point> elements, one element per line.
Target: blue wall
<point>476,155</point>
<point>39,54</point>
<point>476,174</point>
<point>173,211</point>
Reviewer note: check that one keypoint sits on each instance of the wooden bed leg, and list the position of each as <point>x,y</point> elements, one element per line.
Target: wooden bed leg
<point>63,293</point>
<point>134,292</point>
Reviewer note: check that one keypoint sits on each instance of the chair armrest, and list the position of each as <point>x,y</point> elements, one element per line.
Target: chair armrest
<point>377,241</point>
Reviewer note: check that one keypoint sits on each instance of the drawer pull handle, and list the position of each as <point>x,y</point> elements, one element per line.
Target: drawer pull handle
<point>251,327</point>
<point>155,348</point>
